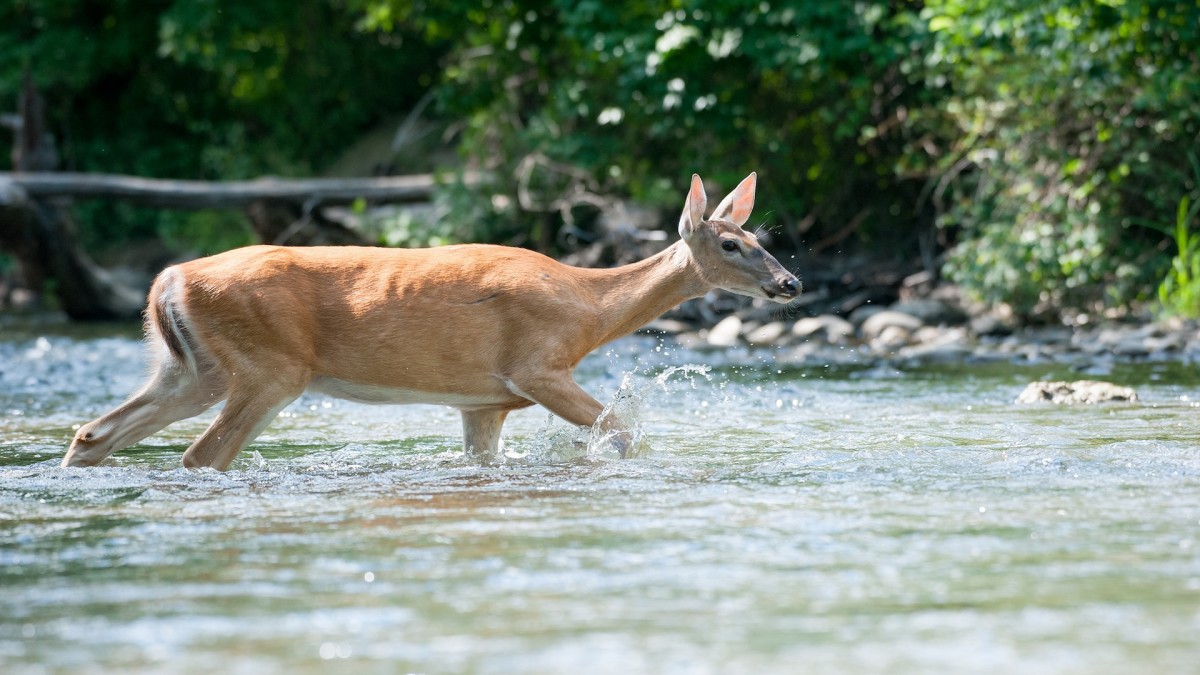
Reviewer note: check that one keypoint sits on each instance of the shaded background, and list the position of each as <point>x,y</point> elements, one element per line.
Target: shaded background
<point>1036,153</point>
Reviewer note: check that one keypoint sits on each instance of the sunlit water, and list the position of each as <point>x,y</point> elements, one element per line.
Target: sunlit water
<point>780,519</point>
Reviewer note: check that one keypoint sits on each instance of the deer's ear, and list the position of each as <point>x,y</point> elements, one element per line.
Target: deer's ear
<point>737,205</point>
<point>693,208</point>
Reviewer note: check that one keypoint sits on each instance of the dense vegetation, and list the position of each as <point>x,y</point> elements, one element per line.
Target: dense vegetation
<point>1037,152</point>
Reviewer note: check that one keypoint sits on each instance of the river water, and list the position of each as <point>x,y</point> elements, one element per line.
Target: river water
<point>781,517</point>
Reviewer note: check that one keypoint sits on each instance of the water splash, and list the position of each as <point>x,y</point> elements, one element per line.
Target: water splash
<point>553,443</point>
<point>258,460</point>
<point>624,413</point>
<point>618,431</point>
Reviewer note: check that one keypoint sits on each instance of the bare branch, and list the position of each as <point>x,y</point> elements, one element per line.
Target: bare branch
<point>191,194</point>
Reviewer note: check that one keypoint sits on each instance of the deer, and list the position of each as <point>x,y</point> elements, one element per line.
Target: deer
<point>485,329</point>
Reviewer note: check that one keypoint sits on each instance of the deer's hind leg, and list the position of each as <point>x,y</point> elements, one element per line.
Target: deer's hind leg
<point>171,394</point>
<point>247,412</point>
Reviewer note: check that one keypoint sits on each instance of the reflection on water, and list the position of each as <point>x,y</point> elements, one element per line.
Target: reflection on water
<point>861,519</point>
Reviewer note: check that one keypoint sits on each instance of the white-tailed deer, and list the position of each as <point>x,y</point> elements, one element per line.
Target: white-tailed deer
<point>484,329</point>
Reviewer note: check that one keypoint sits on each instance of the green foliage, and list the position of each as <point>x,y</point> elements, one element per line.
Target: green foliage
<point>1068,123</point>
<point>210,88</point>
<point>215,89</point>
<point>637,96</point>
<point>206,232</point>
<point>1179,291</point>
<point>1039,135</point>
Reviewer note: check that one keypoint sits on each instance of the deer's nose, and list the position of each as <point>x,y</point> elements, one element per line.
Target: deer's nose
<point>790,286</point>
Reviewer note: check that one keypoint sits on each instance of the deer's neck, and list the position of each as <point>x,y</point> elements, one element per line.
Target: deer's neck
<point>631,296</point>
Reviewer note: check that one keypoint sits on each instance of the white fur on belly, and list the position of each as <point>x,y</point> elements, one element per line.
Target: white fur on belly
<point>372,393</point>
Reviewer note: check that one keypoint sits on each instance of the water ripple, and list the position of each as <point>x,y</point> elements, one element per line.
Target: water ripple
<point>847,518</point>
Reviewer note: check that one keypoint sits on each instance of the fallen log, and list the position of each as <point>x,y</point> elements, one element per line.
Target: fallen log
<point>37,232</point>
<point>194,194</point>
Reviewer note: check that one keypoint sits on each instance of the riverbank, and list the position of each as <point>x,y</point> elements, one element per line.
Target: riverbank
<point>932,331</point>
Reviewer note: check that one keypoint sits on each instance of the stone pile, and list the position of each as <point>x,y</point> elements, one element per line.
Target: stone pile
<point>934,331</point>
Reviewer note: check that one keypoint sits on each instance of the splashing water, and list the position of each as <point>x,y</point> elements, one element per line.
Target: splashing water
<point>626,408</point>
<point>852,519</point>
<point>618,431</point>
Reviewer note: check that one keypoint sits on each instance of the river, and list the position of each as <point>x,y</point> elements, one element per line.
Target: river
<point>781,517</point>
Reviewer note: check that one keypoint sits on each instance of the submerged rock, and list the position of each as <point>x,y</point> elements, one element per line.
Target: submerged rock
<point>1071,393</point>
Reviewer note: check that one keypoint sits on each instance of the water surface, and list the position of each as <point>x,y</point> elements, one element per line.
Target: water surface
<point>782,518</point>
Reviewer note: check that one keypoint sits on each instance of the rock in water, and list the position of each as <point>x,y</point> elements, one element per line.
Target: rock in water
<point>768,334</point>
<point>725,333</point>
<point>878,322</point>
<point>834,329</point>
<point>1071,393</point>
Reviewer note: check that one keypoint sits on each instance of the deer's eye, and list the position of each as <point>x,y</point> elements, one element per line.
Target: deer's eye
<point>729,245</point>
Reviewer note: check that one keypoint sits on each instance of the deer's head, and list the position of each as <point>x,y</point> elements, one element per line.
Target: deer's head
<point>728,256</point>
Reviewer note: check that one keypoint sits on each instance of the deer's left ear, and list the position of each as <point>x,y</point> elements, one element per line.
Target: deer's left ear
<point>737,205</point>
<point>693,208</point>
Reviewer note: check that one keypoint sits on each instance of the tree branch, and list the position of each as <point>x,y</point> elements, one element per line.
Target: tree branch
<point>192,194</point>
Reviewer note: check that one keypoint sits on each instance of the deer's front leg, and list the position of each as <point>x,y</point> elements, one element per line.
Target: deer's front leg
<point>560,394</point>
<point>481,432</point>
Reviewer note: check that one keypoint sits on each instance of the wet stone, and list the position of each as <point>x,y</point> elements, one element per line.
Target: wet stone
<point>1131,346</point>
<point>831,328</point>
<point>931,311</point>
<point>860,315</point>
<point>691,340</point>
<point>935,353</point>
<point>1164,343</point>
<point>668,326</point>
<point>1077,392</point>
<point>726,332</point>
<point>875,325</point>
<point>989,325</point>
<point>890,339</point>
<point>937,345</point>
<point>767,334</point>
